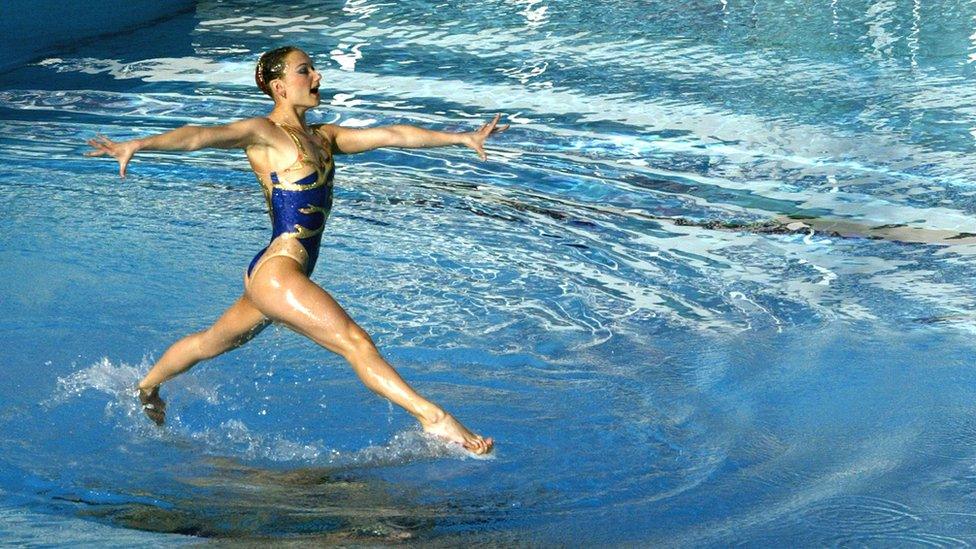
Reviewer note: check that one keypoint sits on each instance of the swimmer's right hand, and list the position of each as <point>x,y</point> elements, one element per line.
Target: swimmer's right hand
<point>121,151</point>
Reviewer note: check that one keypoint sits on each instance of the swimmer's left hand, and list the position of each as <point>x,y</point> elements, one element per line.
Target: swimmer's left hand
<point>121,151</point>
<point>476,139</point>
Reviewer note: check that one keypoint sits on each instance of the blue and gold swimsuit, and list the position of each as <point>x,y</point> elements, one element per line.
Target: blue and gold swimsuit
<point>298,209</point>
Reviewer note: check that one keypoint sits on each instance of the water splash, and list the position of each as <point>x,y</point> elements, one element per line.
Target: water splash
<point>234,437</point>
<point>116,380</point>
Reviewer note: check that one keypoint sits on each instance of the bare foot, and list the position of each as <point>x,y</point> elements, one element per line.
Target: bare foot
<point>152,405</point>
<point>451,429</point>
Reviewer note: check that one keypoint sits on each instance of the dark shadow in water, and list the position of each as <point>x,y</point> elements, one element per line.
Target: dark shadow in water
<point>244,503</point>
<point>802,222</point>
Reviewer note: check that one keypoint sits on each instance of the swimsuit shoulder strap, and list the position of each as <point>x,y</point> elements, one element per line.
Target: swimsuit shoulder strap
<point>318,163</point>
<point>293,134</point>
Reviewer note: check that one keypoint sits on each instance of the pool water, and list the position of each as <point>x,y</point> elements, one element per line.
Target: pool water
<point>713,287</point>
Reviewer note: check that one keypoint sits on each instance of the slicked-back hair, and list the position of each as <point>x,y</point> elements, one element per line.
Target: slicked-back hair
<point>271,65</point>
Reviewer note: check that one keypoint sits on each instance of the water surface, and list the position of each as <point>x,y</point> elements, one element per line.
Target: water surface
<point>713,287</point>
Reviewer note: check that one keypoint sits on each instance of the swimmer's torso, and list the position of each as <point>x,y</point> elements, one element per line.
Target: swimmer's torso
<point>298,204</point>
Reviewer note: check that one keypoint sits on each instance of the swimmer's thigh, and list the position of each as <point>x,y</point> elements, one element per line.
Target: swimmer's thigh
<point>284,294</point>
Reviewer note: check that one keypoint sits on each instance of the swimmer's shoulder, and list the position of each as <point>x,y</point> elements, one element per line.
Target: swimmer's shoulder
<point>266,144</point>
<point>261,131</point>
<point>259,125</point>
<point>326,132</point>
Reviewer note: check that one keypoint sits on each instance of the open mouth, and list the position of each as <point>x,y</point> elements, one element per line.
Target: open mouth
<point>315,90</point>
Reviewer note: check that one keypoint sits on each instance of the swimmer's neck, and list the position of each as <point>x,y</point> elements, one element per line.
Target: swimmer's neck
<point>289,115</point>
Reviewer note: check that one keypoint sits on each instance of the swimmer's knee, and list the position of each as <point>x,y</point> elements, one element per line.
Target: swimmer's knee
<point>361,340</point>
<point>355,342</point>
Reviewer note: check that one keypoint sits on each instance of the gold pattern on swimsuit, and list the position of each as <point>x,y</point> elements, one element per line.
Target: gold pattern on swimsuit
<point>304,232</point>
<point>285,186</point>
<point>302,151</point>
<point>322,167</point>
<point>310,209</point>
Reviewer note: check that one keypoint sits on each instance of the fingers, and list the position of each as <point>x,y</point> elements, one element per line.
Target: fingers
<point>489,127</point>
<point>102,146</point>
<point>106,147</point>
<point>105,142</point>
<point>102,143</point>
<point>99,149</point>
<point>484,132</point>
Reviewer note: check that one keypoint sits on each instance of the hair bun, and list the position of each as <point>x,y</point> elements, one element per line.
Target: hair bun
<point>271,65</point>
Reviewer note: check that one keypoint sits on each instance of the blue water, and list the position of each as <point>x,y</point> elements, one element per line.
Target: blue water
<point>713,287</point>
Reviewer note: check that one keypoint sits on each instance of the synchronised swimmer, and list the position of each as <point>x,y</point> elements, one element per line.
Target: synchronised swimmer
<point>294,163</point>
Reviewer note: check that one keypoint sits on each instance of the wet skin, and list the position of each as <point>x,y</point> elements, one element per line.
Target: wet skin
<point>279,290</point>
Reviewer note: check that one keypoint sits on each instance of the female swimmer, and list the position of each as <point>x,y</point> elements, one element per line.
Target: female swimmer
<point>294,163</point>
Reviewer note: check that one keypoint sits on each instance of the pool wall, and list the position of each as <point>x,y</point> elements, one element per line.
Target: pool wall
<point>31,29</point>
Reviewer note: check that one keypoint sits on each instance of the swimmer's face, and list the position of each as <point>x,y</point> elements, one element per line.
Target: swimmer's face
<point>301,80</point>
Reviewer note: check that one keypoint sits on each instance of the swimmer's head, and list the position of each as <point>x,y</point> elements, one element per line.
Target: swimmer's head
<point>288,75</point>
<point>271,66</point>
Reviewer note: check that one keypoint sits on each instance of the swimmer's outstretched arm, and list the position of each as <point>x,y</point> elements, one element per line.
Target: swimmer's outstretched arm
<point>350,140</point>
<point>240,134</point>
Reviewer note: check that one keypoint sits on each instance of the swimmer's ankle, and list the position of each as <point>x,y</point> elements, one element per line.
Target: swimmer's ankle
<point>146,388</point>
<point>431,416</point>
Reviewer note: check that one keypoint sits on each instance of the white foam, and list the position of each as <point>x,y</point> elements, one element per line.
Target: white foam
<point>404,447</point>
<point>114,379</point>
<point>234,436</point>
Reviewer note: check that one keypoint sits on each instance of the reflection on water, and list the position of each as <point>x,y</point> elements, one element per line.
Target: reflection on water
<point>247,503</point>
<point>713,287</point>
